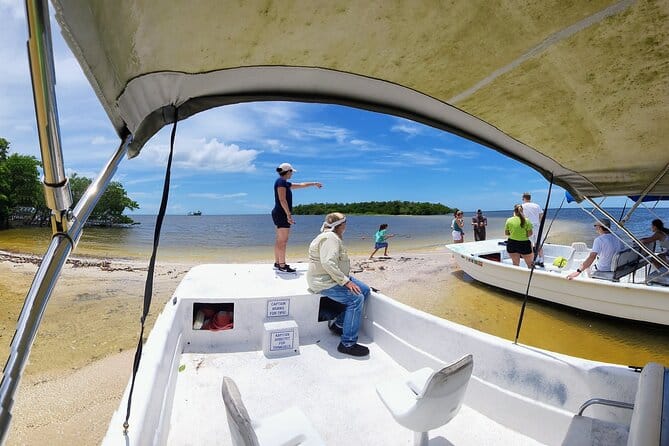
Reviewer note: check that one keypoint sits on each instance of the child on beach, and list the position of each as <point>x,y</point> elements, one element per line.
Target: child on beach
<point>380,240</point>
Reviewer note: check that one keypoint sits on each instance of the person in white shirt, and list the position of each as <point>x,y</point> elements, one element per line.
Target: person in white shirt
<point>603,249</point>
<point>329,275</point>
<point>534,214</point>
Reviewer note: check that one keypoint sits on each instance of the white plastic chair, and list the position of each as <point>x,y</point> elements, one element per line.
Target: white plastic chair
<point>288,428</point>
<point>427,399</point>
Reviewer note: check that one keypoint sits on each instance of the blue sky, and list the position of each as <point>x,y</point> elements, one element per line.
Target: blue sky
<point>225,159</point>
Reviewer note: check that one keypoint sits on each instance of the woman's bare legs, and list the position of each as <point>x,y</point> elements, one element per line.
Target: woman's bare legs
<point>529,258</point>
<point>280,245</point>
<point>515,258</point>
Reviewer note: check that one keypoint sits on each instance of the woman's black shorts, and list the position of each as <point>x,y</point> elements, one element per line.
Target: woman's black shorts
<point>515,246</point>
<point>280,218</point>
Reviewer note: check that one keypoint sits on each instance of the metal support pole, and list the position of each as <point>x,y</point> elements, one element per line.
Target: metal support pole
<point>646,191</point>
<point>40,55</point>
<point>641,246</point>
<point>43,284</point>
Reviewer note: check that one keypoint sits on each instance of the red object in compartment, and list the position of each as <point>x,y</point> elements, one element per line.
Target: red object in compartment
<point>221,321</point>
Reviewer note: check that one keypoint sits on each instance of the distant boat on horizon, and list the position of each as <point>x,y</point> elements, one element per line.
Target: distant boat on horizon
<point>195,213</point>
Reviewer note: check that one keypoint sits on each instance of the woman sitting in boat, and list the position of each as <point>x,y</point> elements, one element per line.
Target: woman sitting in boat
<point>661,237</point>
<point>605,246</point>
<point>519,230</point>
<point>328,274</point>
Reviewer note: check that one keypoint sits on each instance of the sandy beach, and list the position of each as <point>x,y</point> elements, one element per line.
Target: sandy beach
<point>82,358</point>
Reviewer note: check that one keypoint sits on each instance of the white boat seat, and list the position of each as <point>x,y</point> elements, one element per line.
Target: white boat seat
<point>552,252</point>
<point>287,428</point>
<point>622,263</point>
<point>650,411</point>
<point>427,399</point>
<point>651,405</point>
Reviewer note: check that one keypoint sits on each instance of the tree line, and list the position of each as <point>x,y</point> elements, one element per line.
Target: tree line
<point>22,195</point>
<point>374,208</point>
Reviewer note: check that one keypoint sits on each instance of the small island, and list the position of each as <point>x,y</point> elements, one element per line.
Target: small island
<point>374,208</point>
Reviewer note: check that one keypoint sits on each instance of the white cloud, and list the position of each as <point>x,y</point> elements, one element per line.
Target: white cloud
<point>275,114</point>
<point>409,128</point>
<point>102,140</point>
<point>365,146</point>
<point>214,196</point>
<point>144,179</point>
<point>14,9</point>
<point>422,159</point>
<point>69,73</point>
<point>275,146</point>
<point>203,155</point>
<point>320,131</point>
<point>350,174</point>
<point>251,123</point>
<point>464,154</point>
<point>494,168</point>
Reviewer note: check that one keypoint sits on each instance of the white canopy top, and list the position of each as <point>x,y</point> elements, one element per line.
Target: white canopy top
<point>578,91</point>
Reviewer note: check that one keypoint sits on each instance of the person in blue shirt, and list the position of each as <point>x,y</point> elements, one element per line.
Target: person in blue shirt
<point>380,240</point>
<point>282,214</point>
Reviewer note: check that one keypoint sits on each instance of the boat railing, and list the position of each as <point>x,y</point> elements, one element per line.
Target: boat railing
<point>604,402</point>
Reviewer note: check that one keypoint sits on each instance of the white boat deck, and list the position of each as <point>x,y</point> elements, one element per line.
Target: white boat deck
<point>516,395</point>
<point>336,392</point>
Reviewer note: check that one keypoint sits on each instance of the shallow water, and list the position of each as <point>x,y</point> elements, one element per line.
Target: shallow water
<point>551,327</point>
<point>462,300</point>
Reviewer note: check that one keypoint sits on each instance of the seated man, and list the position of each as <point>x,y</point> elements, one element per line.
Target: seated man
<point>603,249</point>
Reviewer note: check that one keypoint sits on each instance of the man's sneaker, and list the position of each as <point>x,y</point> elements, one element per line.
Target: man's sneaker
<point>276,266</point>
<point>354,350</point>
<point>286,269</point>
<point>334,328</point>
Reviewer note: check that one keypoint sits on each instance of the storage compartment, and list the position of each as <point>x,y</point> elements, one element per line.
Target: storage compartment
<point>213,316</point>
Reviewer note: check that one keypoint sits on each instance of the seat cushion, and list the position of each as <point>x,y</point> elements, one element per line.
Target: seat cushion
<point>647,414</point>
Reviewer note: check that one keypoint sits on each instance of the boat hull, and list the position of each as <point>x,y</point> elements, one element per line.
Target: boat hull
<point>625,300</point>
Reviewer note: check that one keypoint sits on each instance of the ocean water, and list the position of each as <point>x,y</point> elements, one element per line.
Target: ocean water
<point>240,238</point>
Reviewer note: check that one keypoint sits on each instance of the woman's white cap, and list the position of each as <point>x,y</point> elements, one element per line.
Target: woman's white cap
<point>285,167</point>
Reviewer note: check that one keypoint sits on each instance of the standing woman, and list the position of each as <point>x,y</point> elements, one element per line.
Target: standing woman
<point>282,214</point>
<point>458,227</point>
<point>519,230</point>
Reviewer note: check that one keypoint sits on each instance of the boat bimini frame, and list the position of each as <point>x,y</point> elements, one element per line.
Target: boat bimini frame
<point>66,224</point>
